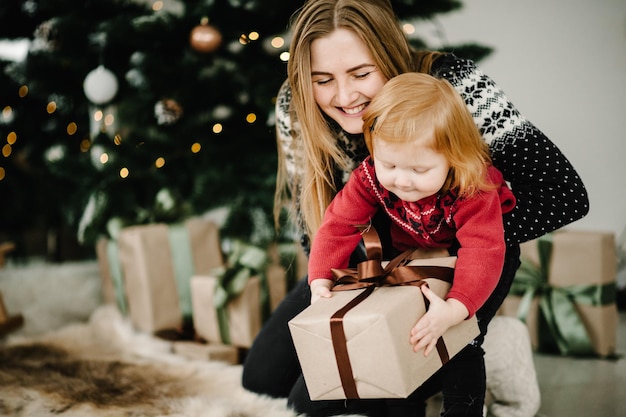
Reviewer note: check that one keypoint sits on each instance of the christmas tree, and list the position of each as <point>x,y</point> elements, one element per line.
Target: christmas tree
<point>132,112</point>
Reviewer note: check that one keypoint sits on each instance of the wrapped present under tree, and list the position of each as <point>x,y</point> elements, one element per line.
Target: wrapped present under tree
<point>231,303</point>
<point>565,292</point>
<point>147,270</point>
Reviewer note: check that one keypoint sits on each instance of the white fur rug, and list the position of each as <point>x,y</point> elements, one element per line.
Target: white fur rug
<point>75,357</point>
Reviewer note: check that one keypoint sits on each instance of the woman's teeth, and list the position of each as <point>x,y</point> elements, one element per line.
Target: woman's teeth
<point>354,110</point>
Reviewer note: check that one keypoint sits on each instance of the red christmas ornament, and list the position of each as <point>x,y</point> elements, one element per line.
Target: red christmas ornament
<point>205,38</point>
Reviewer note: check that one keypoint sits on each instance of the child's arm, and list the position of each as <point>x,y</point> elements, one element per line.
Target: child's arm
<point>440,316</point>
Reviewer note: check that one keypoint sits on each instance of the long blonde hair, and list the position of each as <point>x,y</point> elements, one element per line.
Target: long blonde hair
<point>375,23</point>
<point>413,105</point>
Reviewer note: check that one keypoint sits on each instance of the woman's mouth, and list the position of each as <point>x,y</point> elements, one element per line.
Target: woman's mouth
<point>354,110</point>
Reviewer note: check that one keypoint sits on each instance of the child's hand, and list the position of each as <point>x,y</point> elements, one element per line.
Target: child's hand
<point>440,316</point>
<point>320,288</point>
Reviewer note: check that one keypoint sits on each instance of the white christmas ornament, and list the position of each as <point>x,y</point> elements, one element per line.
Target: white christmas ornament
<point>100,85</point>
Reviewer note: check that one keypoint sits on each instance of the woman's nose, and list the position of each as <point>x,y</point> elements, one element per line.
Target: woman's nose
<point>345,94</point>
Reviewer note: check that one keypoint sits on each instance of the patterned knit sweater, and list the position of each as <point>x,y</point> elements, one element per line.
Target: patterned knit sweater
<point>431,222</point>
<point>549,192</point>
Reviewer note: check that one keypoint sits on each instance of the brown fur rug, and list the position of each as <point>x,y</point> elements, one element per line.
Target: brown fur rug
<point>103,369</point>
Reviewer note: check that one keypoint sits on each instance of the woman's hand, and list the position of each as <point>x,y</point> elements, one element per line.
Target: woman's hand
<point>320,287</point>
<point>440,316</point>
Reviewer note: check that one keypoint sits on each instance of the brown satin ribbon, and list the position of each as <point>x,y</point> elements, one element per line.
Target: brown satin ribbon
<point>370,274</point>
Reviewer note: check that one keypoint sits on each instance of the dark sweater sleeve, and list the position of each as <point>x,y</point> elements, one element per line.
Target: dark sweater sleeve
<point>549,192</point>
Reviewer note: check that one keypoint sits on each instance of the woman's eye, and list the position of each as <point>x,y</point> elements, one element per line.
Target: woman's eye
<point>322,82</point>
<point>362,75</point>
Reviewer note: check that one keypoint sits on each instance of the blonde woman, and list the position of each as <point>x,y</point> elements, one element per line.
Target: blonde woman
<point>342,54</point>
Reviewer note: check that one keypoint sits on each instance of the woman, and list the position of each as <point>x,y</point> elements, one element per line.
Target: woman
<point>342,53</point>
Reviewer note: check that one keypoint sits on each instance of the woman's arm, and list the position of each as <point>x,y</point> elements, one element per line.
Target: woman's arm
<point>549,192</point>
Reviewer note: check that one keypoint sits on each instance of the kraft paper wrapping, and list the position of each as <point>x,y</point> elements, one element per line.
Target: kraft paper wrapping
<point>244,311</point>
<point>377,333</point>
<point>156,263</point>
<point>578,259</point>
<point>207,352</point>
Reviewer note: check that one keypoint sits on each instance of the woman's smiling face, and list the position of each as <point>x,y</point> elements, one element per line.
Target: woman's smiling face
<point>345,78</point>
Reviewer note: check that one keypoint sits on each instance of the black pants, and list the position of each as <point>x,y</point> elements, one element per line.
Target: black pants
<point>272,368</point>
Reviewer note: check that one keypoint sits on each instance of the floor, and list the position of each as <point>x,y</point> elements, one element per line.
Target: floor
<point>578,387</point>
<point>569,387</point>
<point>584,387</point>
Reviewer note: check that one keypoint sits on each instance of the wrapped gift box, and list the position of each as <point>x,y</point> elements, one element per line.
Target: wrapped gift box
<point>230,304</point>
<point>243,312</point>
<point>569,306</point>
<point>240,321</point>
<point>382,361</point>
<point>148,269</point>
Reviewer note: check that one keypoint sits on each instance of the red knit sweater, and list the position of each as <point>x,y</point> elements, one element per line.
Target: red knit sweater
<point>432,222</point>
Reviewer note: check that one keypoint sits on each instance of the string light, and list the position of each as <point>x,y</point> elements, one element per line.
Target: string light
<point>51,107</point>
<point>11,138</point>
<point>251,118</point>
<point>6,150</point>
<point>124,172</point>
<point>408,28</point>
<point>72,128</point>
<point>117,140</point>
<point>277,42</point>
<point>195,148</point>
<point>157,5</point>
<point>7,113</point>
<point>97,115</point>
<point>253,36</point>
<point>284,56</point>
<point>160,162</point>
<point>2,173</point>
<point>104,158</point>
<point>109,119</point>
<point>85,144</point>
<point>23,91</point>
<point>217,128</point>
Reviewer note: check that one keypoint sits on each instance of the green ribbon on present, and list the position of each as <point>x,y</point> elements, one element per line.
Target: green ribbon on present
<point>183,264</point>
<point>563,325</point>
<point>117,276</point>
<point>244,262</point>
<point>114,226</point>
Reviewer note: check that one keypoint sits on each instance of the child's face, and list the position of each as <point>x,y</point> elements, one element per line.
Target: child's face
<point>410,170</point>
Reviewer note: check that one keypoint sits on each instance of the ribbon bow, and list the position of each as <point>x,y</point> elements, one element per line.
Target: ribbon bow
<point>398,271</point>
<point>244,262</point>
